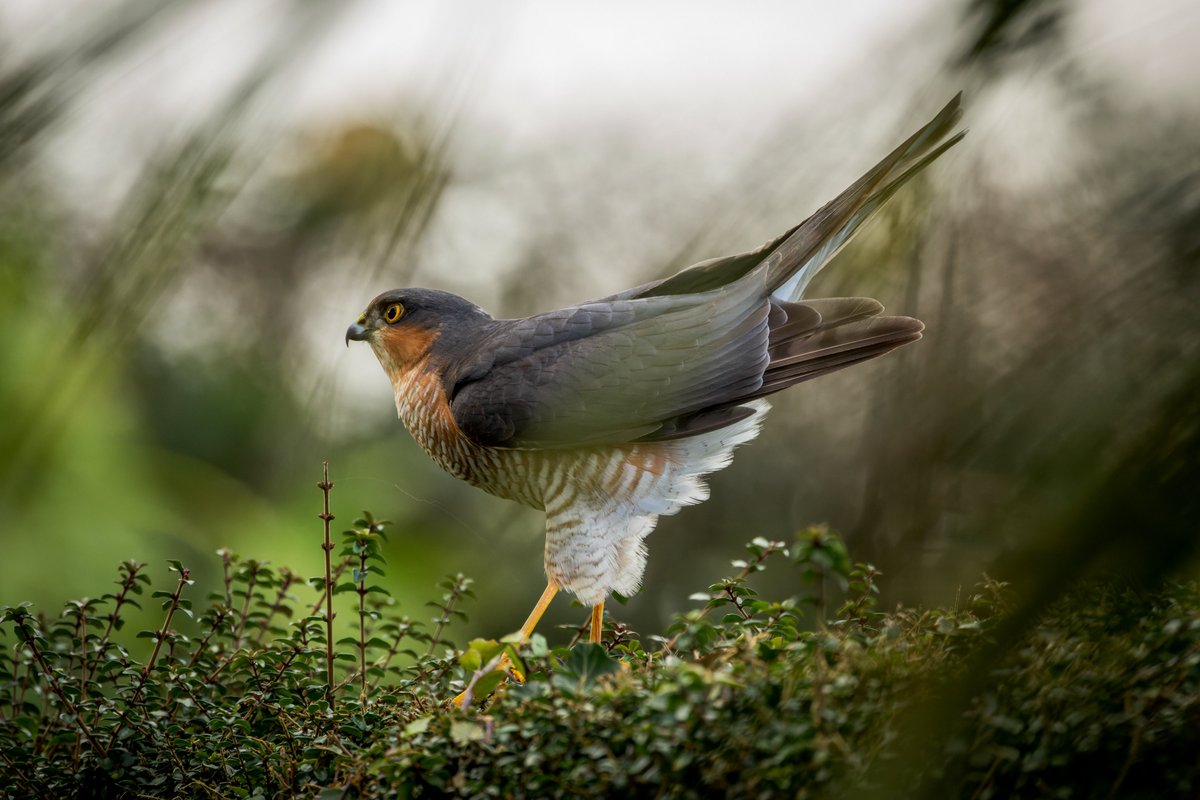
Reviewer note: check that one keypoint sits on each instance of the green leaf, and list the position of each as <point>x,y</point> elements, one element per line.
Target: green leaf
<point>418,725</point>
<point>478,653</point>
<point>488,682</point>
<point>588,661</point>
<point>465,731</point>
<point>537,646</point>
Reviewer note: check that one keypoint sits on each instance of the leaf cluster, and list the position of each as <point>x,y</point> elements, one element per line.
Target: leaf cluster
<point>742,695</point>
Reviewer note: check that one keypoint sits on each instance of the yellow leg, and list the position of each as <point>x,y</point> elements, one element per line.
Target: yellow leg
<point>526,631</point>
<point>597,622</point>
<point>542,604</point>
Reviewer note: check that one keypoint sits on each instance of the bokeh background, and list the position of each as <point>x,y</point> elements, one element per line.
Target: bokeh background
<point>197,198</point>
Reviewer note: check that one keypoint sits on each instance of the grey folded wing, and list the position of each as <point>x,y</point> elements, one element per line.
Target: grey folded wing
<point>611,372</point>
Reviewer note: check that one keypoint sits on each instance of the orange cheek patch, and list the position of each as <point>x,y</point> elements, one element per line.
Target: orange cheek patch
<point>403,347</point>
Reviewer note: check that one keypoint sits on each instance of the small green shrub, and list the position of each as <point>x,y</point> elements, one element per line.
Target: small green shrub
<point>741,697</point>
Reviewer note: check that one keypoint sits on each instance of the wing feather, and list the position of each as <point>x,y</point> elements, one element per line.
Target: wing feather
<point>680,356</point>
<point>581,375</point>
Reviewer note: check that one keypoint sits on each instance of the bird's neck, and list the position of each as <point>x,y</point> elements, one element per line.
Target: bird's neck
<point>422,407</point>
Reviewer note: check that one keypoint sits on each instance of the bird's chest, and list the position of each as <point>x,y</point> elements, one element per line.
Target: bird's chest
<point>423,408</point>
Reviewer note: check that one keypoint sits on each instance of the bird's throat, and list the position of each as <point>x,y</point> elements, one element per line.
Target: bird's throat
<point>401,351</point>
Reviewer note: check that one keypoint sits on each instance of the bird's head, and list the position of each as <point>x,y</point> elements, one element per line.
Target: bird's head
<point>403,325</point>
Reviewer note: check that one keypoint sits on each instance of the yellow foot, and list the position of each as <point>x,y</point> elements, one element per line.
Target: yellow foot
<point>526,629</point>
<point>514,674</point>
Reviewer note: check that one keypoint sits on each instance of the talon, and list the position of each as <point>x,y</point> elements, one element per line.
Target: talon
<point>526,629</point>
<point>505,664</point>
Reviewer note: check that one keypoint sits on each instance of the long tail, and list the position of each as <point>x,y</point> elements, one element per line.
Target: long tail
<point>808,247</point>
<point>808,339</point>
<point>795,258</point>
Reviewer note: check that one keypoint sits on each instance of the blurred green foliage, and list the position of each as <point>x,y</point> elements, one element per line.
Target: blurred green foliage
<point>743,696</point>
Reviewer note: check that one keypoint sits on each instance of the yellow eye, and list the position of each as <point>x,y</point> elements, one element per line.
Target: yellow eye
<point>393,313</point>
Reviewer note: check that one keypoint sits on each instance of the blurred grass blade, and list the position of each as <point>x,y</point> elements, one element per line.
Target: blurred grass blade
<point>174,205</point>
<point>35,95</point>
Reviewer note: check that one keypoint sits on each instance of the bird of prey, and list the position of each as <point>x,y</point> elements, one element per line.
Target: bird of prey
<point>608,414</point>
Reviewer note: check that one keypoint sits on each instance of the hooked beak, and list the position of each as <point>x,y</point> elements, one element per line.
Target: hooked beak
<point>358,331</point>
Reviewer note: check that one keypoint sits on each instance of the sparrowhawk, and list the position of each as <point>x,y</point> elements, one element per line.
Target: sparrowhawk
<point>608,414</point>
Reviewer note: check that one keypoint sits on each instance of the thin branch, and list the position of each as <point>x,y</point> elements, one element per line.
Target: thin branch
<point>326,517</point>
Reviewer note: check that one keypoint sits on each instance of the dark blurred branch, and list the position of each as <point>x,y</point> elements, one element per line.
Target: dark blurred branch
<point>36,94</point>
<point>1007,26</point>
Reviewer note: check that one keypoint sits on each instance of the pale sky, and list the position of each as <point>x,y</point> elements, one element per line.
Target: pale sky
<point>695,88</point>
<point>676,76</point>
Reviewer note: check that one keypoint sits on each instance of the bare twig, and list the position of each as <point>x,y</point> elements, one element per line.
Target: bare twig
<point>326,517</point>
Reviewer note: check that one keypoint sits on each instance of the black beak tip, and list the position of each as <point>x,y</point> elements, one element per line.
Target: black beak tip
<point>357,332</point>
